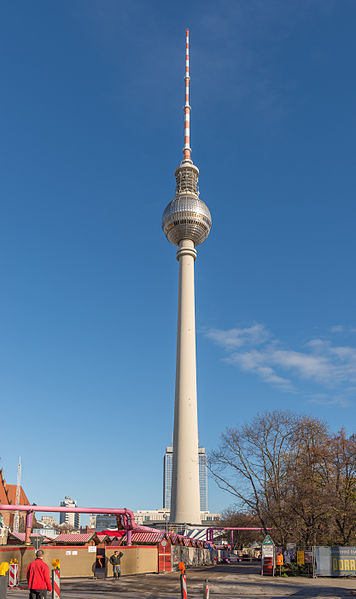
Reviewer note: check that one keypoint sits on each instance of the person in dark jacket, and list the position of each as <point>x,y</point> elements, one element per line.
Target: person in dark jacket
<point>115,560</point>
<point>38,578</point>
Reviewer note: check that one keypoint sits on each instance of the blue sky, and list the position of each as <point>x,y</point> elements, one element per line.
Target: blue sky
<point>92,131</point>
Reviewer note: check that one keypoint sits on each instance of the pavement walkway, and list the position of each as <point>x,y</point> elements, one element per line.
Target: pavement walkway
<point>226,581</point>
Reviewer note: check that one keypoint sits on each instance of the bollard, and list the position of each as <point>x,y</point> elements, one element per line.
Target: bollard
<point>13,575</point>
<point>56,584</point>
<point>183,586</point>
<point>206,593</point>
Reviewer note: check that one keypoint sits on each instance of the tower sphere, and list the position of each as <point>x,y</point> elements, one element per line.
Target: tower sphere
<point>186,217</point>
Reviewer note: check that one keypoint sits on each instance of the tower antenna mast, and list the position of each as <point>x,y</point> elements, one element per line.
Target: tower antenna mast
<point>17,499</point>
<point>187,108</point>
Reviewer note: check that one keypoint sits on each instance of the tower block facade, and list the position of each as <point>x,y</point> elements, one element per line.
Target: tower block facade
<point>186,223</point>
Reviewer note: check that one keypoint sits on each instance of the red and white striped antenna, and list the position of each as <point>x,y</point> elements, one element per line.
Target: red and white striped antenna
<point>187,149</point>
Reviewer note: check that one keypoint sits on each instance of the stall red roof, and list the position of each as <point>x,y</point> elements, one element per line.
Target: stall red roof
<point>147,537</point>
<point>113,533</point>
<point>75,538</point>
<point>21,536</point>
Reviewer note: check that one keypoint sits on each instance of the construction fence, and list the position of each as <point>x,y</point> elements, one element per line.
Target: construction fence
<point>75,561</point>
<point>81,561</point>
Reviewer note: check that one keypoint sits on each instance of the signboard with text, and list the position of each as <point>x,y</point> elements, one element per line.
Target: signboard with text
<point>267,550</point>
<point>335,561</point>
<point>267,557</point>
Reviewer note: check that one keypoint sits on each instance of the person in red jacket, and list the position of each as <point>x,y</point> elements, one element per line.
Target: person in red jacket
<point>38,578</point>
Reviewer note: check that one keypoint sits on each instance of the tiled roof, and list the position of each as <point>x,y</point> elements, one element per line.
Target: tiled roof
<point>11,491</point>
<point>148,537</point>
<point>4,494</point>
<point>101,537</point>
<point>74,538</point>
<point>21,536</point>
<point>144,535</point>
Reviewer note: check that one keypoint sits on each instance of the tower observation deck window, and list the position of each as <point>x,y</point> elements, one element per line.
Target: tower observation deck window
<point>187,180</point>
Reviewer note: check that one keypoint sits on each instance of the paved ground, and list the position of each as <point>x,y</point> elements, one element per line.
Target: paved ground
<point>230,581</point>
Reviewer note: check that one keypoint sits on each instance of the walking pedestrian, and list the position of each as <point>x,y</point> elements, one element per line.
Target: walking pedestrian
<point>38,578</point>
<point>115,560</point>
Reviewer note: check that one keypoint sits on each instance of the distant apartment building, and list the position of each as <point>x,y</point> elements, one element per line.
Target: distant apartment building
<point>92,521</point>
<point>73,519</point>
<point>46,531</point>
<point>146,516</point>
<point>48,521</point>
<point>161,516</point>
<point>105,521</point>
<point>167,478</point>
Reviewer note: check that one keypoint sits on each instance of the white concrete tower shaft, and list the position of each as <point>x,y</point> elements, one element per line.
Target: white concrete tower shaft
<point>185,497</point>
<point>186,223</point>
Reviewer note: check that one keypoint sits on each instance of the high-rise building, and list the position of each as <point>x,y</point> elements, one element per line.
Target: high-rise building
<point>167,478</point>
<point>186,222</point>
<point>73,519</point>
<point>203,479</point>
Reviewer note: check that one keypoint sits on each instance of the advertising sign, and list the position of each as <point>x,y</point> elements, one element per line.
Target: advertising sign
<point>335,561</point>
<point>300,558</point>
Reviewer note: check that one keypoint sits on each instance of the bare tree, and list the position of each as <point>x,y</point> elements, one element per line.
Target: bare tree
<point>309,501</point>
<point>292,475</point>
<point>342,485</point>
<point>252,465</point>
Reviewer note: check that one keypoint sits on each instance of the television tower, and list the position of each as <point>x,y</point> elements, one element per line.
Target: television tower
<point>186,222</point>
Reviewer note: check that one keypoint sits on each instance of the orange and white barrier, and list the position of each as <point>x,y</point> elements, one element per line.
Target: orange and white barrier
<point>206,593</point>
<point>183,586</point>
<point>13,575</point>
<point>56,584</point>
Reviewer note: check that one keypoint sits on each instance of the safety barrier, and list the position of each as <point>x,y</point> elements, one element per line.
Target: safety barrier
<point>13,575</point>
<point>183,586</point>
<point>56,584</point>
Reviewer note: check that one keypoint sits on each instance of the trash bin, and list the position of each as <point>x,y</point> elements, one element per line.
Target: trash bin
<point>4,581</point>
